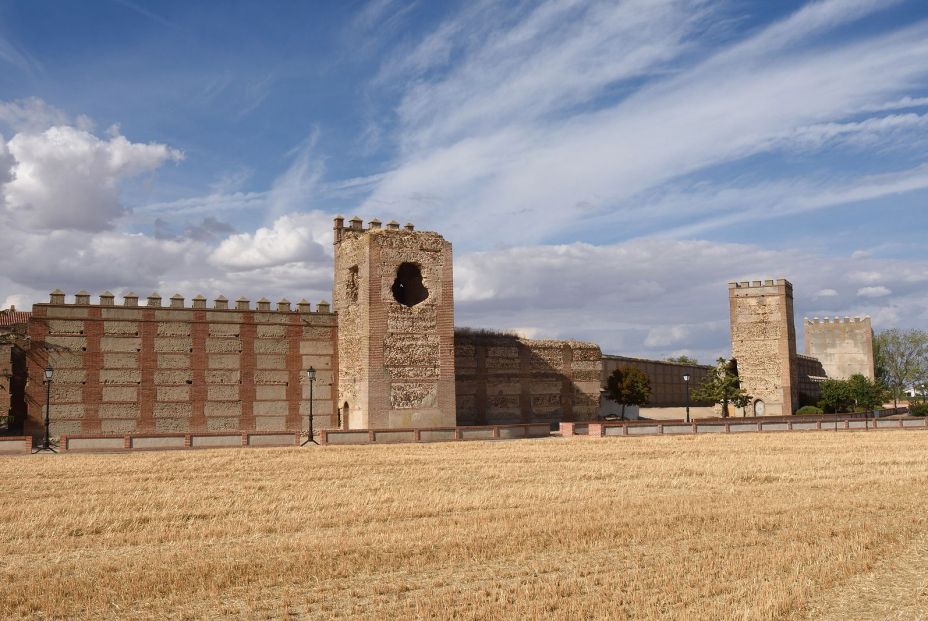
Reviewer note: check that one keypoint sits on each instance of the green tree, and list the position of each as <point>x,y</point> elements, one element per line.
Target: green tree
<point>836,396</point>
<point>868,394</point>
<point>901,360</point>
<point>682,360</point>
<point>722,386</point>
<point>628,386</point>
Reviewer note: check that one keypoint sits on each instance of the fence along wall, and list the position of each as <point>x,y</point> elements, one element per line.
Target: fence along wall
<point>502,379</point>
<point>131,368</point>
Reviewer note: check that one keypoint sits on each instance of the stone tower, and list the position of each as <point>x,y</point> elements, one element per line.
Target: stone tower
<point>844,346</point>
<point>394,298</point>
<point>763,341</point>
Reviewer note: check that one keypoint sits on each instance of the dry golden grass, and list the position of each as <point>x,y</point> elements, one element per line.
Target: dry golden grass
<point>708,527</point>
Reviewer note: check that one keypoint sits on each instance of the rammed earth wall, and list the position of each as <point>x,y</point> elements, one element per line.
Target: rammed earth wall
<point>505,379</point>
<point>130,368</point>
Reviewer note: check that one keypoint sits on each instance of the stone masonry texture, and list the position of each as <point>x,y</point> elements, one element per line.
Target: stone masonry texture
<point>393,293</point>
<point>504,379</point>
<point>763,342</point>
<point>844,346</point>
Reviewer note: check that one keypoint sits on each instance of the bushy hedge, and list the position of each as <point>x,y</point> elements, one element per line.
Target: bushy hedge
<point>918,409</point>
<point>809,409</point>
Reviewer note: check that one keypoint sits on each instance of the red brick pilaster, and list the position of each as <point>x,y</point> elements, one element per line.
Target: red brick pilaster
<point>93,362</point>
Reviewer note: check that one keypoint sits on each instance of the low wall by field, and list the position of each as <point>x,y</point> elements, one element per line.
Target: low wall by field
<point>610,429</point>
<point>161,441</point>
<point>15,444</point>
<point>434,434</point>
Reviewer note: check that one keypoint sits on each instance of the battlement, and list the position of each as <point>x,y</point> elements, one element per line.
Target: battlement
<point>177,301</point>
<point>356,226</point>
<point>837,320</point>
<point>752,284</point>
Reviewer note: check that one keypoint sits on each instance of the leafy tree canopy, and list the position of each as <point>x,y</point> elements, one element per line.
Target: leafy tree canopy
<point>722,386</point>
<point>901,359</point>
<point>682,360</point>
<point>628,386</point>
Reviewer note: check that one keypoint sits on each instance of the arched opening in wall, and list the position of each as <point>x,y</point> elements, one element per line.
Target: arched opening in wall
<point>759,408</point>
<point>408,288</point>
<point>343,421</point>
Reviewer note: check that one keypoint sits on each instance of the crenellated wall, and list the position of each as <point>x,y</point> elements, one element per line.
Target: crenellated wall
<point>844,346</point>
<point>169,368</point>
<point>504,379</point>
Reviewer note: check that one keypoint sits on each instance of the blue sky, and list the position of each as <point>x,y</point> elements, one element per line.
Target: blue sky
<point>602,168</point>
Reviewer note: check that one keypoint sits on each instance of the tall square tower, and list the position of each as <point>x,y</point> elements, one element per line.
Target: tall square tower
<point>393,293</point>
<point>763,342</point>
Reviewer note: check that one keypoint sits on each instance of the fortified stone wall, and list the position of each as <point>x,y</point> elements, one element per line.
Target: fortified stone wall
<point>128,368</point>
<point>845,346</point>
<point>393,292</point>
<point>811,373</point>
<point>505,379</point>
<point>763,341</point>
<point>667,386</point>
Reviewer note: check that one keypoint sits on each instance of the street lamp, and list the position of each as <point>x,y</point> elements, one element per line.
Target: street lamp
<point>686,381</point>
<point>46,440</point>
<point>311,376</point>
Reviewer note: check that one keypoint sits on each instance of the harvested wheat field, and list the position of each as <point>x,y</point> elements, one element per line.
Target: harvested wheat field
<point>754,526</point>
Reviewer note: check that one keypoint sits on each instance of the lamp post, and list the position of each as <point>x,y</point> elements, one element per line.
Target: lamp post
<point>686,381</point>
<point>46,440</point>
<point>311,376</point>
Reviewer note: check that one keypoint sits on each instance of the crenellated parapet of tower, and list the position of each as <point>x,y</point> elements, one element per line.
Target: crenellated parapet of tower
<point>155,300</point>
<point>837,320</point>
<point>356,227</point>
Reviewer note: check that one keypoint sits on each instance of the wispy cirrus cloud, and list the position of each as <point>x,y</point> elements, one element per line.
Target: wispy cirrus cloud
<point>538,123</point>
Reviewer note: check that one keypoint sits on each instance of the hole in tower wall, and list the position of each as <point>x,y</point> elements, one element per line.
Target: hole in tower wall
<point>408,288</point>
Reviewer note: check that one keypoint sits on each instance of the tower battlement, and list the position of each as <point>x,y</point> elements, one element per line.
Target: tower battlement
<point>356,227</point>
<point>836,320</point>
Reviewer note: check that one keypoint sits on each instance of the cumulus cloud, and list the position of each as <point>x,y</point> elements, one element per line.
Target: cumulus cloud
<point>826,293</point>
<point>68,178</point>
<point>291,238</point>
<point>873,292</point>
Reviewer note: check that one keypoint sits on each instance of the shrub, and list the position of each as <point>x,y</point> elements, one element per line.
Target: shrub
<point>809,409</point>
<point>918,409</point>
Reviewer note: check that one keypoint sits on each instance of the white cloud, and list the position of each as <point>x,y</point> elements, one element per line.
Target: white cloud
<point>826,293</point>
<point>663,336</point>
<point>67,178</point>
<point>873,292</point>
<point>291,238</point>
<point>861,254</point>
